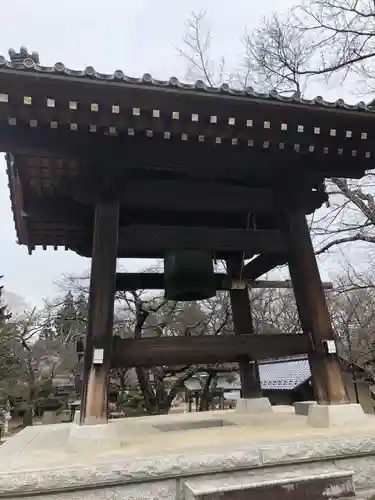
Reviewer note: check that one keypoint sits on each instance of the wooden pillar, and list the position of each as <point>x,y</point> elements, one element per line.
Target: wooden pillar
<point>313,312</point>
<point>100,317</point>
<point>190,402</point>
<point>243,324</point>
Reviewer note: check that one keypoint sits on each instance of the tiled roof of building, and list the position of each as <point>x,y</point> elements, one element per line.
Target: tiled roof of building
<point>25,61</point>
<point>284,375</point>
<point>280,375</point>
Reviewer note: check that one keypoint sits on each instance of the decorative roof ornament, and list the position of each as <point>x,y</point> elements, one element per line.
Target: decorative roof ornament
<point>23,55</point>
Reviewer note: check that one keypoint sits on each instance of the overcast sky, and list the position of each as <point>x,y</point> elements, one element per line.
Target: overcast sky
<point>137,37</point>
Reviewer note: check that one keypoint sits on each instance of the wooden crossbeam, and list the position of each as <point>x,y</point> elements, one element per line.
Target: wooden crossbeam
<point>155,281</point>
<point>197,197</point>
<point>171,351</point>
<point>201,197</point>
<point>163,197</point>
<point>149,241</point>
<point>162,238</point>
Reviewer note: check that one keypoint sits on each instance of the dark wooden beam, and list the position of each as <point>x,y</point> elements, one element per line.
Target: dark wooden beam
<point>195,197</point>
<point>216,197</point>
<point>262,264</point>
<point>136,241</point>
<point>130,152</point>
<point>188,196</point>
<point>97,358</point>
<point>158,200</point>
<point>313,311</point>
<point>148,241</point>
<point>155,281</point>
<point>283,284</point>
<point>79,245</point>
<point>243,324</point>
<point>172,351</point>
<point>64,210</point>
<point>61,210</point>
<point>161,238</point>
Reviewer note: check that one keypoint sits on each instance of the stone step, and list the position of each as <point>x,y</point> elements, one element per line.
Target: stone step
<point>288,486</point>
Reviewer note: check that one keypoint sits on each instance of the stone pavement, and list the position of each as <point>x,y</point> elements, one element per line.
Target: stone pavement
<point>54,444</point>
<point>175,446</point>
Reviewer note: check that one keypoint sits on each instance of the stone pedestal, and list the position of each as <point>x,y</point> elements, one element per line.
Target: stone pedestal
<point>253,405</point>
<point>49,417</point>
<point>302,407</point>
<point>77,417</point>
<point>330,415</point>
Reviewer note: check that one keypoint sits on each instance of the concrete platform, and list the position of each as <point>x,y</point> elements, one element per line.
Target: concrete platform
<point>155,456</point>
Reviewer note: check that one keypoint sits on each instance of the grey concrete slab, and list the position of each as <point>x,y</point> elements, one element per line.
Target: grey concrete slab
<point>288,485</point>
<point>39,459</point>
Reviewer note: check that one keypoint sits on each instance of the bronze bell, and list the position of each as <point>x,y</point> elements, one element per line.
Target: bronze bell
<point>189,275</point>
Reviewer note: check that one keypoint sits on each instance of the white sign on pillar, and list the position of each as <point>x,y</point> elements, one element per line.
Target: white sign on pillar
<point>98,358</point>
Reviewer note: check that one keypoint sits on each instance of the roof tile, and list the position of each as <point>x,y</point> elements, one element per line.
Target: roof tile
<point>31,64</point>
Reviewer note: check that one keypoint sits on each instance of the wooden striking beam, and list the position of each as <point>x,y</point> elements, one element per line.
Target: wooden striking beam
<point>263,264</point>
<point>162,238</point>
<point>155,281</point>
<point>174,351</point>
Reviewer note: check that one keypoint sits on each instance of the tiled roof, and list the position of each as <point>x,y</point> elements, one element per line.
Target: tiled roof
<point>284,375</point>
<point>281,375</point>
<point>23,61</point>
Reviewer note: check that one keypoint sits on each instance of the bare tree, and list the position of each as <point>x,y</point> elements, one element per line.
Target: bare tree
<point>323,39</point>
<point>196,49</point>
<point>31,359</point>
<point>278,54</point>
<point>288,52</point>
<point>274,310</point>
<point>197,44</point>
<point>353,313</point>
<point>154,316</point>
<point>319,38</point>
<point>140,314</point>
